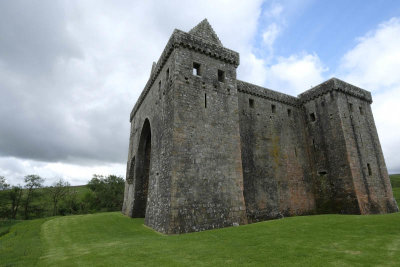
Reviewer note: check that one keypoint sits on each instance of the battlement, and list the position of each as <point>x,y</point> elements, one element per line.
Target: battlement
<point>338,85</point>
<point>194,41</point>
<point>255,90</point>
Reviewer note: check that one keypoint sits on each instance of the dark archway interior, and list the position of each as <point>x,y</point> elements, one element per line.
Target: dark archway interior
<point>142,172</point>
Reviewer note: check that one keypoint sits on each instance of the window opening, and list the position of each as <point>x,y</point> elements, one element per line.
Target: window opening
<point>196,69</point>
<point>322,173</point>
<point>361,111</point>
<point>351,107</point>
<point>251,103</point>
<point>159,89</point>
<point>369,169</point>
<point>273,108</point>
<point>289,112</point>
<point>205,100</point>
<point>167,75</point>
<point>221,76</point>
<point>312,116</point>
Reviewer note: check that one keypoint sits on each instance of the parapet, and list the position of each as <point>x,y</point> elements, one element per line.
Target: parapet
<point>335,84</point>
<point>191,41</point>
<point>262,92</point>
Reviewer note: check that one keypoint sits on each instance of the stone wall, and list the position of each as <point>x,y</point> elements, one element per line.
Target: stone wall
<point>207,187</point>
<point>350,173</point>
<point>276,169</point>
<point>208,151</point>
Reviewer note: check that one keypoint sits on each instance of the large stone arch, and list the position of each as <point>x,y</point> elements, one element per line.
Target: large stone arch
<point>142,172</point>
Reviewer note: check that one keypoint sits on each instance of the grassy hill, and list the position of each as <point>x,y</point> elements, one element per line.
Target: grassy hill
<point>111,239</point>
<point>395,180</point>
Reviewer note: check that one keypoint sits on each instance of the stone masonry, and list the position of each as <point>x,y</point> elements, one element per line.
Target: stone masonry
<point>209,151</point>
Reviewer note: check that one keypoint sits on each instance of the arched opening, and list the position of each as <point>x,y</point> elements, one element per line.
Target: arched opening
<point>142,172</point>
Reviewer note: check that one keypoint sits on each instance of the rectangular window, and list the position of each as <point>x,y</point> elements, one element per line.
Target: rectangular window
<point>351,107</point>
<point>159,89</point>
<point>196,69</point>
<point>221,76</point>
<point>289,112</point>
<point>273,108</point>
<point>167,75</point>
<point>322,173</point>
<point>205,100</point>
<point>312,116</point>
<point>369,169</point>
<point>251,103</point>
<point>361,111</point>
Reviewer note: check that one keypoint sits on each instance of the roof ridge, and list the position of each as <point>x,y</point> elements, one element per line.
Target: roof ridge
<point>205,31</point>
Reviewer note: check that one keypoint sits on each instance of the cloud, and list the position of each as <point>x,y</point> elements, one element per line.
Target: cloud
<point>71,71</point>
<point>296,73</point>
<point>14,169</point>
<point>270,35</point>
<point>274,11</point>
<point>374,64</point>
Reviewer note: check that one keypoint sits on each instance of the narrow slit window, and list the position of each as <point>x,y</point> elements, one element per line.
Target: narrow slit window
<point>295,152</point>
<point>312,116</point>
<point>351,107</point>
<point>159,89</point>
<point>361,111</point>
<point>289,112</point>
<point>273,108</point>
<point>205,100</point>
<point>251,103</point>
<point>196,69</point>
<point>167,75</point>
<point>221,76</point>
<point>369,169</point>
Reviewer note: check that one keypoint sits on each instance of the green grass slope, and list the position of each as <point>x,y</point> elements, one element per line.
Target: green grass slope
<point>111,239</point>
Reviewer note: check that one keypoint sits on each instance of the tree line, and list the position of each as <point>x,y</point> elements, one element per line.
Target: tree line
<point>34,200</point>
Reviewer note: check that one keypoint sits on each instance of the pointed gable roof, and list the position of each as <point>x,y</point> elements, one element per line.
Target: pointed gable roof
<point>206,32</point>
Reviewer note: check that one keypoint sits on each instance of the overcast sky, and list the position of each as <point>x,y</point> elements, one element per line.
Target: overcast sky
<point>71,71</point>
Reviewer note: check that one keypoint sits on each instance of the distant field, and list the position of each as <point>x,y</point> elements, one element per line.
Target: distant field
<point>395,180</point>
<point>111,239</point>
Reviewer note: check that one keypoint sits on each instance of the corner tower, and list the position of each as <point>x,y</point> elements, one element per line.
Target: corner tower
<point>350,174</point>
<point>184,170</point>
<point>207,182</point>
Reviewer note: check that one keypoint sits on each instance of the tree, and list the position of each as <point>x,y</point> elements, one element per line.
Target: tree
<point>3,184</point>
<point>15,195</point>
<point>32,182</point>
<point>57,192</point>
<point>108,192</point>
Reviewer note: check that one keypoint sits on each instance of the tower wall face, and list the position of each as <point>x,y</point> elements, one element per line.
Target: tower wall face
<point>333,183</point>
<point>276,170</point>
<point>370,177</point>
<point>157,107</point>
<point>207,181</point>
<point>350,171</point>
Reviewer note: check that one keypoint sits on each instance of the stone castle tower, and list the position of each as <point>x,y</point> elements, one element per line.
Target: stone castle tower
<point>208,151</point>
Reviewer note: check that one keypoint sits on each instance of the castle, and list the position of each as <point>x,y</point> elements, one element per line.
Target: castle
<point>208,151</point>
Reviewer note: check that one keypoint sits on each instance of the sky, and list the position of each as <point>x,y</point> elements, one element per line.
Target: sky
<point>71,71</point>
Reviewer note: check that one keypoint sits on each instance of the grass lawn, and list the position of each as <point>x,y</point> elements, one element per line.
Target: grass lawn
<point>111,239</point>
<point>22,245</point>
